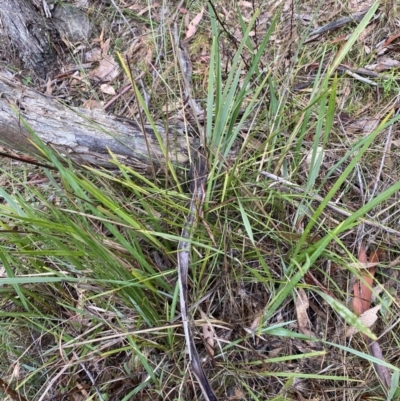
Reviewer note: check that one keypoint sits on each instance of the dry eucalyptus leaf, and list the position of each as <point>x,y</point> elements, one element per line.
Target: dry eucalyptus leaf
<point>208,335</point>
<point>107,69</point>
<point>108,89</point>
<point>302,306</point>
<point>194,24</point>
<point>368,318</point>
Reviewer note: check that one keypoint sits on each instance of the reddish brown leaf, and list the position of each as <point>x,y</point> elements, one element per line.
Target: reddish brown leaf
<point>362,302</point>
<point>363,287</point>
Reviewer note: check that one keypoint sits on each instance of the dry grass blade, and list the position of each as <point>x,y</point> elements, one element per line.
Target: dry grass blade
<point>198,177</point>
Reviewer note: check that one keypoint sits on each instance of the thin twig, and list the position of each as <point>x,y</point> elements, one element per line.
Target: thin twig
<point>338,23</point>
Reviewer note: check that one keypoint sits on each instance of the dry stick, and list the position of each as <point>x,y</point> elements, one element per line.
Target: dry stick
<point>338,23</point>
<point>197,188</point>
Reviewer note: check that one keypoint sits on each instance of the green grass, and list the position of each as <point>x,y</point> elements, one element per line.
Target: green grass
<point>90,256</point>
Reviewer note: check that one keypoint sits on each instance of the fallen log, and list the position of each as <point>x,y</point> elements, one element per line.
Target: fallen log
<point>88,136</point>
<point>30,36</point>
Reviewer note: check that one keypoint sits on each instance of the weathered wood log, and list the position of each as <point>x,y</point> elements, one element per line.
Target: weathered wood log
<point>30,35</point>
<point>88,137</point>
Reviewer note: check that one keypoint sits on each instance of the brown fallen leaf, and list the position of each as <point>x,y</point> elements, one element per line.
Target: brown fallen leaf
<point>192,28</point>
<point>108,89</point>
<point>108,69</point>
<point>361,303</point>
<point>208,334</point>
<point>368,318</point>
<point>302,305</point>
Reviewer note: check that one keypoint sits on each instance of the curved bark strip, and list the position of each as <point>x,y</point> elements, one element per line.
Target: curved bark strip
<point>30,34</point>
<point>87,136</point>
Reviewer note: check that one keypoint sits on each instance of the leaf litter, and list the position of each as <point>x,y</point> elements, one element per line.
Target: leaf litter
<point>368,316</point>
